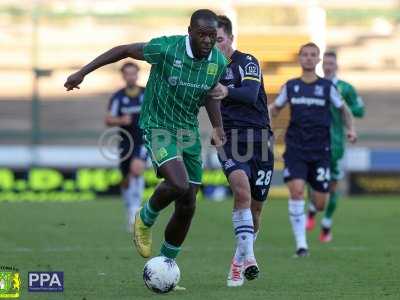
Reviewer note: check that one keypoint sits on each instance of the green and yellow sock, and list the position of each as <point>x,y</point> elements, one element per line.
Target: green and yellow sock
<point>330,209</point>
<point>169,250</point>
<point>148,214</point>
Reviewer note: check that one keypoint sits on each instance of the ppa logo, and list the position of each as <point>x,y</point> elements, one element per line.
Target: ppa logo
<point>46,281</point>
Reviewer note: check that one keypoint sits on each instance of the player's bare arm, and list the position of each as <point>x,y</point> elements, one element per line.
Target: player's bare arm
<point>124,120</point>
<point>349,123</point>
<point>113,55</point>
<point>214,114</point>
<point>280,102</point>
<point>274,110</point>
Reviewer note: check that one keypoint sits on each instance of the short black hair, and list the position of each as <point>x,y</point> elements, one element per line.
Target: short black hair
<point>204,14</point>
<point>310,44</point>
<point>331,53</point>
<point>225,23</point>
<point>127,65</point>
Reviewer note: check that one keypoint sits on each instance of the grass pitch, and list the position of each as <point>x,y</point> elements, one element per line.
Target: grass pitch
<point>88,242</point>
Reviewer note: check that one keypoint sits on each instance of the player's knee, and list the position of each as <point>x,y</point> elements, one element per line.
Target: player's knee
<point>180,187</point>
<point>319,205</point>
<point>125,183</point>
<point>136,167</point>
<point>241,195</point>
<point>297,194</point>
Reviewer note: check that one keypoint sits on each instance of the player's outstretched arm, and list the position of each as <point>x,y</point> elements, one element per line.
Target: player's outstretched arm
<point>111,121</point>
<point>274,110</point>
<point>347,117</point>
<point>115,54</point>
<point>280,101</point>
<point>213,108</point>
<point>354,101</point>
<point>349,123</point>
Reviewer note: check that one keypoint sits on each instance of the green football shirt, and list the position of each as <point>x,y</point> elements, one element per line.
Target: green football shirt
<point>178,83</point>
<point>356,106</point>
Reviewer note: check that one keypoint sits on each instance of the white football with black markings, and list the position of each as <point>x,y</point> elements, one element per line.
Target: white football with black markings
<point>161,274</point>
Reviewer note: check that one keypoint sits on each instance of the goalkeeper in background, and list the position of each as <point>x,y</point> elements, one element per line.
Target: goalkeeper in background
<point>338,143</point>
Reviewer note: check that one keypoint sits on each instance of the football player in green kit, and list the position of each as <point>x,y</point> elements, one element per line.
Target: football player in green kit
<point>184,68</point>
<point>338,143</point>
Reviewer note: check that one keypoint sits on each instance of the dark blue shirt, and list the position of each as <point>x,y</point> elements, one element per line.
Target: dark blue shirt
<point>246,105</point>
<point>128,102</point>
<point>310,116</point>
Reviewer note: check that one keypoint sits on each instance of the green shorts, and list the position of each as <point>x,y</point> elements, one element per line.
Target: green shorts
<point>337,172</point>
<point>337,154</point>
<point>165,145</point>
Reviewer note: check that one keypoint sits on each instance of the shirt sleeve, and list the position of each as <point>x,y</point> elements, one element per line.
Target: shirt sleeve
<point>282,98</point>
<point>246,94</point>
<point>335,97</point>
<point>354,102</point>
<point>113,107</point>
<point>250,69</point>
<point>154,50</point>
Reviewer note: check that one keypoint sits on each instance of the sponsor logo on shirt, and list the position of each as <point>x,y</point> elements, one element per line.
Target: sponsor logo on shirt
<point>173,81</point>
<point>130,110</point>
<point>308,101</point>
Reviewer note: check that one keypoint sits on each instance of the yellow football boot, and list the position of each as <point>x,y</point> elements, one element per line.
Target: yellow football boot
<point>142,236</point>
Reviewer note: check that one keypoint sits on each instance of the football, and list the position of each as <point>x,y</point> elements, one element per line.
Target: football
<point>161,274</point>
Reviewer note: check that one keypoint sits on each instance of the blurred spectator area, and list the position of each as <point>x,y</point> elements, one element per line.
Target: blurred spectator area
<point>60,39</point>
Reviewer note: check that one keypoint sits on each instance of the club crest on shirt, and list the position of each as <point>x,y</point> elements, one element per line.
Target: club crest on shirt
<point>296,88</point>
<point>228,74</point>
<point>212,69</point>
<point>177,63</point>
<point>319,90</point>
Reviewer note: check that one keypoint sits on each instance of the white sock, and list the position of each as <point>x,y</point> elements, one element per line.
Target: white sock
<point>136,186</point>
<point>133,197</point>
<point>298,220</point>
<point>326,223</point>
<point>127,202</point>
<point>244,232</point>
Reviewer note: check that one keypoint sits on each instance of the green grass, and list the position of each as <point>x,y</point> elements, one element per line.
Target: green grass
<point>87,241</point>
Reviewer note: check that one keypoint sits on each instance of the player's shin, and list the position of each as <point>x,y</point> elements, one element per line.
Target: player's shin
<point>298,221</point>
